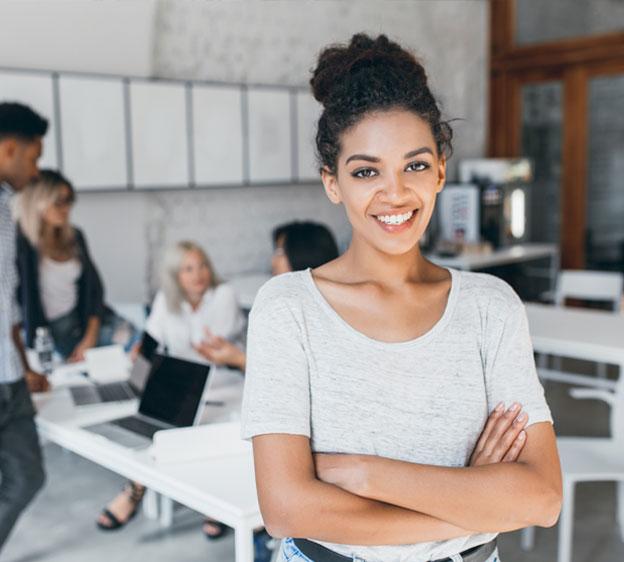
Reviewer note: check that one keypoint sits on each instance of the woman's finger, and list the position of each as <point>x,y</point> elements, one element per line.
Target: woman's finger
<point>502,425</point>
<point>489,426</point>
<point>509,437</point>
<point>516,448</point>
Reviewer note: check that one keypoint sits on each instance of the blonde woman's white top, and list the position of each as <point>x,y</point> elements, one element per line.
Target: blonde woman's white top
<point>179,330</point>
<point>57,284</point>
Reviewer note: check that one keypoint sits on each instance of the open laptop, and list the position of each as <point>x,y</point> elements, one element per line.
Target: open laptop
<point>172,398</point>
<point>98,393</point>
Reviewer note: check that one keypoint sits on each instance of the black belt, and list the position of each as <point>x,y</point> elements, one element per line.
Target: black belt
<point>318,553</point>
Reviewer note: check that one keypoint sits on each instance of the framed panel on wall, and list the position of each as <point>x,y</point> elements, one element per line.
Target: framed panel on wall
<point>217,135</point>
<point>160,136</point>
<point>270,156</point>
<point>308,113</point>
<point>37,91</point>
<point>93,132</point>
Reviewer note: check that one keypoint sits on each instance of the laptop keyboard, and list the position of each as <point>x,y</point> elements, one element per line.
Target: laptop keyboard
<point>83,395</point>
<point>138,425</point>
<point>115,392</point>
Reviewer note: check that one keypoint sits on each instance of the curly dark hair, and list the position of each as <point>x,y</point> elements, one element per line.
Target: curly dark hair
<point>370,75</point>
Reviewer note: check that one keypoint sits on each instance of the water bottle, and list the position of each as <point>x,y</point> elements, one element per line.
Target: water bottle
<point>44,346</point>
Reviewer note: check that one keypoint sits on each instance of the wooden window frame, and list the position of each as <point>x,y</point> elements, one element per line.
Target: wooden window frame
<point>573,62</point>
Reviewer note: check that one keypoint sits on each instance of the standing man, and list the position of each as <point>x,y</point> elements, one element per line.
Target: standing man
<point>21,469</point>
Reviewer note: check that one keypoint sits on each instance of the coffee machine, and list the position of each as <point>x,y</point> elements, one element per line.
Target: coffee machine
<point>504,193</point>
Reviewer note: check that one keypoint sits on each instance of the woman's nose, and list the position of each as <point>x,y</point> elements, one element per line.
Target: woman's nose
<point>395,188</point>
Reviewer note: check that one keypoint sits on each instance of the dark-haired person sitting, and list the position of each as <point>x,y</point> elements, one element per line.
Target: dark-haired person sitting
<point>296,246</point>
<point>21,467</point>
<point>60,286</point>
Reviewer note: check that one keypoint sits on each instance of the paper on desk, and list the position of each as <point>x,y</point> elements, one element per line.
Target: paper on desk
<point>187,444</point>
<point>107,364</point>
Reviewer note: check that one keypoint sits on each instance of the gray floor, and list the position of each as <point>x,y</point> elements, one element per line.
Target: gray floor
<point>59,526</point>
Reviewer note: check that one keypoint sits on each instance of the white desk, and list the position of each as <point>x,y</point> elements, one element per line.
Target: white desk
<point>222,488</point>
<point>591,335</point>
<point>504,256</point>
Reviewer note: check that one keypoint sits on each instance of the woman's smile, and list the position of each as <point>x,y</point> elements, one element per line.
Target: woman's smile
<point>393,222</point>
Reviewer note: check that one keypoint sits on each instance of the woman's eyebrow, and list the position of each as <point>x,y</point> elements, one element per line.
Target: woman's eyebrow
<point>362,157</point>
<point>410,154</point>
<point>421,150</point>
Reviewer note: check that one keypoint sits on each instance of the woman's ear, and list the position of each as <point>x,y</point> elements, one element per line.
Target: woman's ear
<point>330,183</point>
<point>441,174</point>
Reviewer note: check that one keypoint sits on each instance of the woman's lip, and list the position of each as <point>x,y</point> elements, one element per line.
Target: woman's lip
<point>394,228</point>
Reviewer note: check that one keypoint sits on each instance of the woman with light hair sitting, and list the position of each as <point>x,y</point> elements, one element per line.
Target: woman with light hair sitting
<point>60,287</point>
<point>192,300</point>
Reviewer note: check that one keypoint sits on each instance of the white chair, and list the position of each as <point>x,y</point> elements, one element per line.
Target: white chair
<point>596,286</point>
<point>589,459</point>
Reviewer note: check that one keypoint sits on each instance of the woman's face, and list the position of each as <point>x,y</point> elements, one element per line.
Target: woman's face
<point>388,177</point>
<point>57,214</point>
<point>194,276</point>
<point>279,260</point>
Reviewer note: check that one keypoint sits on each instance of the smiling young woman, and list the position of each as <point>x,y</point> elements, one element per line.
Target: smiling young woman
<point>393,404</point>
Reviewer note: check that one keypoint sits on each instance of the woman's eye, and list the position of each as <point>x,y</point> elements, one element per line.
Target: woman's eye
<point>364,173</point>
<point>417,166</point>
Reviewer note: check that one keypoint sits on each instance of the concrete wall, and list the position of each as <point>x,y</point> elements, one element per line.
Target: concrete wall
<point>272,42</point>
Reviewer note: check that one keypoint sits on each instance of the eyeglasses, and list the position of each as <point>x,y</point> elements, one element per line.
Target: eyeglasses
<point>64,202</point>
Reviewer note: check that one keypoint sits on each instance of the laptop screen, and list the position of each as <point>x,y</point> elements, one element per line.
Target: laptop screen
<point>148,346</point>
<point>174,390</point>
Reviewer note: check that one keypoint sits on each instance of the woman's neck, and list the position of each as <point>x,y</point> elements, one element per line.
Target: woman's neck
<point>367,263</point>
<point>50,240</point>
<point>194,301</point>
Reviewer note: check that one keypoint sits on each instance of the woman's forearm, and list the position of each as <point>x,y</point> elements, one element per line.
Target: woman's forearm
<point>93,330</point>
<point>321,511</point>
<point>491,498</point>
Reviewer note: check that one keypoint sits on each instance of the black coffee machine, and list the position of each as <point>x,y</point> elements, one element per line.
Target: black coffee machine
<point>504,197</point>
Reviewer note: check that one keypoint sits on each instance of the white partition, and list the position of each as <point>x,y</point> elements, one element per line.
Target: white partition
<point>270,155</point>
<point>217,135</point>
<point>308,113</point>
<point>37,91</point>
<point>93,132</point>
<point>159,134</point>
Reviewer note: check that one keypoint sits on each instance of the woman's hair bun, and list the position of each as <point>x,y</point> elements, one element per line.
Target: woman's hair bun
<point>339,65</point>
<point>370,74</point>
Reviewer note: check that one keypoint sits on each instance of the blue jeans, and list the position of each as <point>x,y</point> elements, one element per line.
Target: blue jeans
<point>67,332</point>
<point>290,553</point>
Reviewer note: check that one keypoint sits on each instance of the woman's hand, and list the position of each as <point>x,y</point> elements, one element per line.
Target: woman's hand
<point>345,471</point>
<point>78,354</point>
<point>220,351</point>
<point>502,438</point>
<point>36,381</point>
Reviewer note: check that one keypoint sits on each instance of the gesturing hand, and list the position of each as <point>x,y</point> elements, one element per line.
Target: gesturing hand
<point>502,438</point>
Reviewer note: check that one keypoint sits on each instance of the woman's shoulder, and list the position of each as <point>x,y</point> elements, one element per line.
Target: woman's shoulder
<point>488,290</point>
<point>285,290</point>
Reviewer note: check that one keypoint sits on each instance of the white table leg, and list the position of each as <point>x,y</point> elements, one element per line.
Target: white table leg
<point>150,504</point>
<point>243,544</point>
<point>620,507</point>
<point>166,512</point>
<point>566,522</point>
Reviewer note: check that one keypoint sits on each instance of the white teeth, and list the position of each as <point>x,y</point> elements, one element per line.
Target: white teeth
<point>395,219</point>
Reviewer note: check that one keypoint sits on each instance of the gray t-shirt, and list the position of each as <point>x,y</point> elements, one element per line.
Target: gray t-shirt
<point>424,401</point>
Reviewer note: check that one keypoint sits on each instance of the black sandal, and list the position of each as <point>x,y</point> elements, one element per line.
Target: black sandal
<point>214,536</point>
<point>136,495</point>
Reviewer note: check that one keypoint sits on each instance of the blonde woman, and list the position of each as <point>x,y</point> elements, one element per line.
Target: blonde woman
<point>192,301</point>
<point>60,287</point>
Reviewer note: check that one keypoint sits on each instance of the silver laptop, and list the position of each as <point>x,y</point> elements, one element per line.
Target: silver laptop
<point>98,393</point>
<point>172,398</point>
